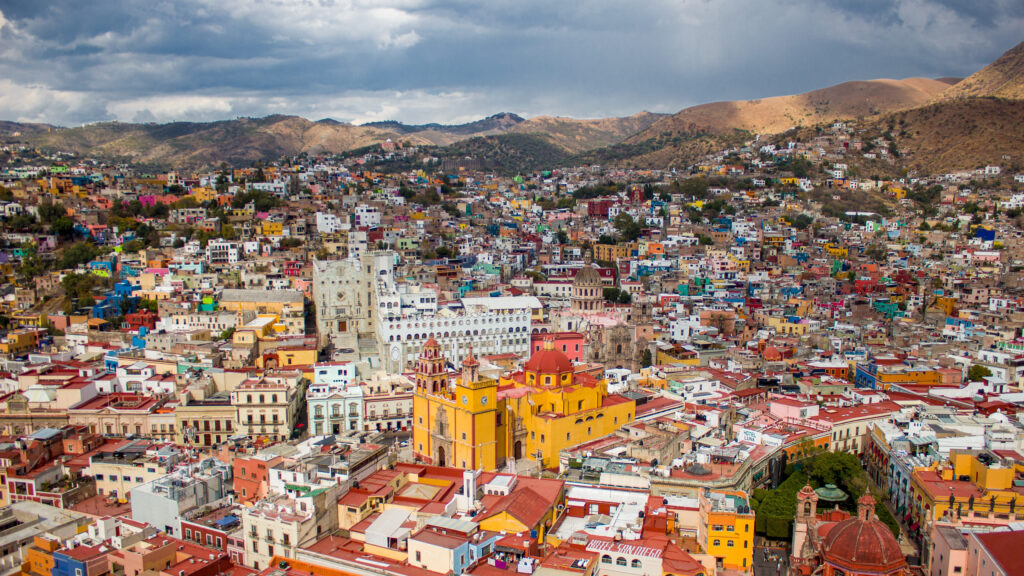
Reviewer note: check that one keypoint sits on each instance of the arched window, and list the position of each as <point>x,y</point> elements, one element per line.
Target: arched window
<point>620,561</point>
<point>606,559</point>
<point>635,563</point>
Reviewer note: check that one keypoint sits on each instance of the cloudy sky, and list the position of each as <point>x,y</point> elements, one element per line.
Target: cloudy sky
<point>70,62</point>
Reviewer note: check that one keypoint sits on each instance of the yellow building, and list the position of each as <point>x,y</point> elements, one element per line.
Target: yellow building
<point>837,251</point>
<point>205,422</point>
<point>534,414</point>
<point>203,195</point>
<point>462,425</point>
<point>611,252</point>
<point>971,488</point>
<point>268,228</point>
<point>19,342</point>
<point>286,305</point>
<point>117,472</point>
<point>726,528</point>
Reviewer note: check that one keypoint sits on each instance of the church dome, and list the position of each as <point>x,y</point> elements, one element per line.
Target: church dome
<point>587,276</point>
<point>863,543</point>
<point>548,361</point>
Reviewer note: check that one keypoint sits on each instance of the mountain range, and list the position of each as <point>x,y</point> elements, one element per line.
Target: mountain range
<point>944,124</point>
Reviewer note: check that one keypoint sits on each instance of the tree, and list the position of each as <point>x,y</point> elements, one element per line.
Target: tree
<point>134,245</point>
<point>76,254</point>
<point>694,187</point>
<point>627,228</point>
<point>800,167</point>
<point>611,294</point>
<point>645,358</point>
<point>227,334</point>
<point>562,237</point>
<point>625,297</point>
<point>50,212</point>
<point>23,222</point>
<point>79,287</point>
<point>31,264</point>
<point>802,221</point>
<point>977,373</point>
<point>221,184</point>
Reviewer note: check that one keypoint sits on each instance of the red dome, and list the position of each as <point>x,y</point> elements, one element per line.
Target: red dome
<point>857,544</point>
<point>548,362</point>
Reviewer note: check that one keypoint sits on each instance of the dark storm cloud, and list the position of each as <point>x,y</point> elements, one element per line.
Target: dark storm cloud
<point>431,60</point>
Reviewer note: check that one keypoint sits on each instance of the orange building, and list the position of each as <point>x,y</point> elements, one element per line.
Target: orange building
<point>39,556</point>
<point>252,476</point>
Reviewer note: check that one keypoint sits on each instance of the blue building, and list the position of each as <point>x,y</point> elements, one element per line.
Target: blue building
<point>117,302</point>
<point>80,561</point>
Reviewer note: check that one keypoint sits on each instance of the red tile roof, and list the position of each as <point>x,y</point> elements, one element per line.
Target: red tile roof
<point>1004,547</point>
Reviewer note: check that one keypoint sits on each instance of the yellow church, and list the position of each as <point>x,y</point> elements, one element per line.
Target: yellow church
<point>476,422</point>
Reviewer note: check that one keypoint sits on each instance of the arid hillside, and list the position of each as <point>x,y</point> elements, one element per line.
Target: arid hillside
<point>772,115</point>
<point>1003,78</point>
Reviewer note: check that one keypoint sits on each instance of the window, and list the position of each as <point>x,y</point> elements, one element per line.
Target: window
<point>716,543</point>
<point>620,561</point>
<point>99,476</point>
<point>729,544</point>
<point>418,556</point>
<point>606,559</point>
<point>188,533</point>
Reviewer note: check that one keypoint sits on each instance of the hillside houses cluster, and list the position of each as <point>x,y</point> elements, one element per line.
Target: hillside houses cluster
<point>322,366</point>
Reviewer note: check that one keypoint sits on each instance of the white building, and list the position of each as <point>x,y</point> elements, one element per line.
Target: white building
<point>220,251</point>
<point>334,401</point>
<point>368,216</point>
<point>280,525</point>
<point>387,402</point>
<point>327,223</point>
<point>409,315</point>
